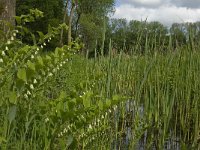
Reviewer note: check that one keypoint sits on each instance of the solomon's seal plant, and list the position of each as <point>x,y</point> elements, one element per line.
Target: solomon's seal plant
<point>33,115</point>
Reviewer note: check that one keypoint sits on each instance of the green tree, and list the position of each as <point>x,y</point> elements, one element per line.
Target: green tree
<point>69,9</point>
<point>156,33</point>
<point>137,35</point>
<point>196,31</point>
<point>90,30</point>
<point>178,34</point>
<point>53,16</point>
<point>53,12</point>
<point>93,14</point>
<point>117,31</point>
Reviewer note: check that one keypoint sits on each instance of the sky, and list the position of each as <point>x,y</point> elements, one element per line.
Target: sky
<point>164,11</point>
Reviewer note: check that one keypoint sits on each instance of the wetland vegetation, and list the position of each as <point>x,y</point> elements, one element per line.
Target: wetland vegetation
<point>129,85</point>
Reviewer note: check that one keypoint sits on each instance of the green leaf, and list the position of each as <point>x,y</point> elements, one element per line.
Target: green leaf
<point>48,57</point>
<point>29,19</point>
<point>33,38</point>
<point>18,19</point>
<point>37,13</point>
<point>13,97</point>
<point>50,30</point>
<point>40,60</point>
<point>2,140</point>
<point>87,99</point>
<point>100,105</point>
<point>56,52</point>
<point>21,74</point>
<point>29,73</point>
<point>63,95</point>
<point>31,65</point>
<point>108,103</point>
<point>41,36</point>
<point>12,113</point>
<point>116,99</point>
<point>29,122</point>
<point>69,140</point>
<point>19,84</point>
<point>72,104</point>
<point>86,102</point>
<point>25,30</point>
<point>2,83</point>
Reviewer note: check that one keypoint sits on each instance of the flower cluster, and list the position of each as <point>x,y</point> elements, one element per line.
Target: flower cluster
<point>47,70</point>
<point>65,130</point>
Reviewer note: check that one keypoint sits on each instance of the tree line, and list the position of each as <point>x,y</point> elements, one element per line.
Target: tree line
<point>154,35</point>
<point>90,21</point>
<point>83,17</point>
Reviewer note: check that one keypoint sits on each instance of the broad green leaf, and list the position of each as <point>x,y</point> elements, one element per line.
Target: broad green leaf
<point>31,65</point>
<point>19,84</point>
<point>29,73</point>
<point>108,103</point>
<point>48,57</point>
<point>37,13</point>
<point>87,99</point>
<point>115,99</point>
<point>13,97</point>
<point>21,74</point>
<point>12,113</point>
<point>56,52</point>
<point>40,60</point>
<point>18,19</point>
<point>29,19</point>
<point>86,102</point>
<point>69,140</point>
<point>41,36</point>
<point>62,95</point>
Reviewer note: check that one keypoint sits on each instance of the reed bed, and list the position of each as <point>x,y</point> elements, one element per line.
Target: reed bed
<point>162,91</point>
<point>147,100</point>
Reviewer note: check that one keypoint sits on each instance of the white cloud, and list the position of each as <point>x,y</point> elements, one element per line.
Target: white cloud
<point>187,3</point>
<point>166,14</point>
<point>157,3</point>
<point>142,3</point>
<point>148,2</point>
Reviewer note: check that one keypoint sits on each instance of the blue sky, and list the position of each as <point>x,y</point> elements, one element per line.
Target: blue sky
<point>164,11</point>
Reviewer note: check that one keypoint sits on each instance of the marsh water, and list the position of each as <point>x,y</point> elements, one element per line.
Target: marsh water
<point>125,142</point>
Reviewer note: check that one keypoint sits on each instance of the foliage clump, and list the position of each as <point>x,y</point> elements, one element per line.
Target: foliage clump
<point>37,109</point>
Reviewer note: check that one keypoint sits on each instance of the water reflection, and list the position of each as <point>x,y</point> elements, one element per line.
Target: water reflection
<point>125,140</point>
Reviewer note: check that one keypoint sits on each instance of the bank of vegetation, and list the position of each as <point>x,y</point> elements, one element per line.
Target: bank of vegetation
<point>73,78</point>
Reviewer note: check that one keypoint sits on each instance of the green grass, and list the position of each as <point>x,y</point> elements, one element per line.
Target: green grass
<point>166,85</point>
<point>83,104</point>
